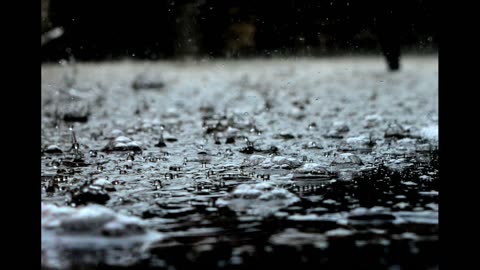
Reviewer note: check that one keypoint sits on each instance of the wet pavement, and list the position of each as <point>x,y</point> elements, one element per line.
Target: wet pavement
<point>329,163</point>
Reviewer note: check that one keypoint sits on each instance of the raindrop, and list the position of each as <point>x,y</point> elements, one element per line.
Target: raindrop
<point>157,184</point>
<point>347,159</point>
<point>58,178</point>
<point>53,149</point>
<point>93,153</point>
<point>161,141</point>
<point>230,140</point>
<point>75,144</point>
<point>395,130</point>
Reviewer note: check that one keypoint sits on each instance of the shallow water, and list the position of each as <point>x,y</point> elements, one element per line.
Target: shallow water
<point>230,164</point>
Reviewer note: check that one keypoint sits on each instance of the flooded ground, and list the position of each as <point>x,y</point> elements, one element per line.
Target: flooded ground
<point>329,163</point>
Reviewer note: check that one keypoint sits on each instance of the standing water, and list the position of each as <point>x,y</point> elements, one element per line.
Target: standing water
<point>314,163</point>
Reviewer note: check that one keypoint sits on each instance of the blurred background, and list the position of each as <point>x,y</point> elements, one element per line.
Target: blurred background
<point>164,29</point>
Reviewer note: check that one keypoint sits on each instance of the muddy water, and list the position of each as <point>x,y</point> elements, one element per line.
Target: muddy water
<point>224,164</point>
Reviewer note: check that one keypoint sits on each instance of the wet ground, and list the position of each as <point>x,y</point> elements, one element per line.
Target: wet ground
<point>329,163</point>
